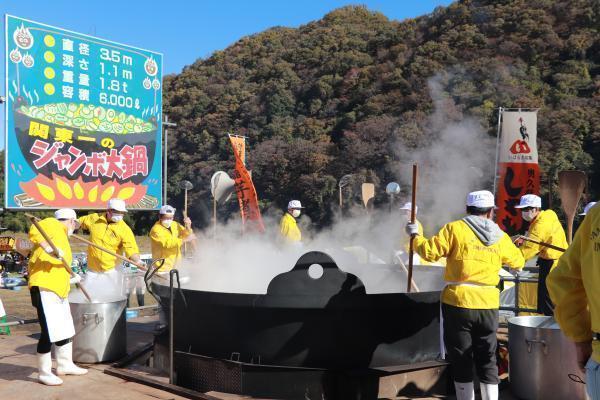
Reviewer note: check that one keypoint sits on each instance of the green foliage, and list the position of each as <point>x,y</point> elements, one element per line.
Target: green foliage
<point>337,95</point>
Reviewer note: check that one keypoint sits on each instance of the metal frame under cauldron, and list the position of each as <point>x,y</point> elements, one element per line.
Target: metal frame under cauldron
<point>304,338</point>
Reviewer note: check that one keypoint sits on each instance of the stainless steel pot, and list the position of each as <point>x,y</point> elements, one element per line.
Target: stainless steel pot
<point>542,360</point>
<point>100,331</point>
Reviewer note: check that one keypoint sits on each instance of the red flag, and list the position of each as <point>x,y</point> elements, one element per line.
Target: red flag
<point>246,194</point>
<point>518,167</point>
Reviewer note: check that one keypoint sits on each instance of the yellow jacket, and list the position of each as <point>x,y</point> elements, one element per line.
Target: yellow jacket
<point>166,243</point>
<point>289,228</point>
<point>546,228</point>
<point>47,271</point>
<point>115,236</point>
<point>574,283</point>
<point>469,260</point>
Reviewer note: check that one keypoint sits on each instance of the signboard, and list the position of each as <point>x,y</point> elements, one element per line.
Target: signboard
<point>518,166</point>
<point>7,243</point>
<point>83,120</point>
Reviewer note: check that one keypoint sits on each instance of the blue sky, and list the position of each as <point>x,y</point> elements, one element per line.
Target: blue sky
<point>187,30</point>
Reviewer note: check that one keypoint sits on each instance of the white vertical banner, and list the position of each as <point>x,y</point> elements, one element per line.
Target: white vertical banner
<point>518,142</point>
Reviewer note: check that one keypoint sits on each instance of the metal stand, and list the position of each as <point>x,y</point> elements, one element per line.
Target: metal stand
<point>172,273</point>
<point>517,280</point>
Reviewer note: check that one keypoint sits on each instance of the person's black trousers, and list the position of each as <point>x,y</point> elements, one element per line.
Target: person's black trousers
<point>470,339</point>
<point>44,344</point>
<point>544,304</point>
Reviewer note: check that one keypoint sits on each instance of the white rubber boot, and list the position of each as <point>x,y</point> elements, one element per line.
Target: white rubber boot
<point>64,358</point>
<point>464,390</point>
<point>489,391</point>
<point>45,374</point>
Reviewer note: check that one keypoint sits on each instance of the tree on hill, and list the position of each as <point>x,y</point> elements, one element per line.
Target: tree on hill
<point>333,96</point>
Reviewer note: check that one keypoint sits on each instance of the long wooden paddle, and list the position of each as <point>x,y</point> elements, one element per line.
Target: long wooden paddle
<point>34,221</point>
<point>187,185</point>
<point>548,245</point>
<point>140,265</point>
<point>112,253</point>
<point>571,185</point>
<point>368,192</point>
<point>413,220</point>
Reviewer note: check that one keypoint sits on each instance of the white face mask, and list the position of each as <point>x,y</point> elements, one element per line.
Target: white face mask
<point>295,213</point>
<point>116,218</point>
<point>166,223</point>
<point>527,215</point>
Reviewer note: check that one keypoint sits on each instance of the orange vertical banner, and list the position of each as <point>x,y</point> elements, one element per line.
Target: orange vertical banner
<point>246,193</point>
<point>239,145</point>
<point>518,167</point>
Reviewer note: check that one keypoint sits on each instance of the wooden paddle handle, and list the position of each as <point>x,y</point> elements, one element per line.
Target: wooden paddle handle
<point>34,221</point>
<point>413,217</point>
<point>185,206</point>
<point>112,253</point>
<point>570,220</point>
<point>550,246</point>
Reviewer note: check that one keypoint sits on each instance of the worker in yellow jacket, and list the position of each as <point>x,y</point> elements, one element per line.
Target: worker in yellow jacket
<point>544,226</point>
<point>111,232</point>
<point>167,236</point>
<point>475,248</point>
<point>573,286</point>
<point>288,227</point>
<point>49,285</point>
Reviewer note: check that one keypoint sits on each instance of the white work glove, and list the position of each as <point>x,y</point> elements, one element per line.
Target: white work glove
<point>48,249</point>
<point>60,254</point>
<point>75,279</point>
<point>412,229</point>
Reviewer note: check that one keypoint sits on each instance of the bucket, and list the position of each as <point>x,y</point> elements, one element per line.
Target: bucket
<point>542,362</point>
<point>100,331</point>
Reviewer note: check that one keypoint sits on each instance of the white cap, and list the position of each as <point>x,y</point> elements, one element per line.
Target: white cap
<point>65,213</point>
<point>588,207</point>
<point>294,204</point>
<point>117,205</point>
<point>167,210</point>
<point>480,199</point>
<point>408,206</point>
<point>530,200</point>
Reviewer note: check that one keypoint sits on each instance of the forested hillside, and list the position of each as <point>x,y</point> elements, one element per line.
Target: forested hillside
<point>333,97</point>
<point>337,95</point>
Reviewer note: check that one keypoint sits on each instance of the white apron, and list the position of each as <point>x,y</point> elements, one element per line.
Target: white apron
<point>2,312</point>
<point>58,316</point>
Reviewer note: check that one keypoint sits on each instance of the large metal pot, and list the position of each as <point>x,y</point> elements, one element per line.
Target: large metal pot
<point>100,331</point>
<point>328,322</point>
<point>542,360</point>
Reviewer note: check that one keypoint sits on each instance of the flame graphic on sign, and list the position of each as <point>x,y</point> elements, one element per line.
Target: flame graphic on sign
<point>15,56</point>
<point>23,38</point>
<point>60,192</point>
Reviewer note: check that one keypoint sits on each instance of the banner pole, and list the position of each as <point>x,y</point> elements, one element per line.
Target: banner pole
<point>166,124</point>
<point>497,149</point>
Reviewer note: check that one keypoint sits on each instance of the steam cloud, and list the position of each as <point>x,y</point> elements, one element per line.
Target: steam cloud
<point>459,159</point>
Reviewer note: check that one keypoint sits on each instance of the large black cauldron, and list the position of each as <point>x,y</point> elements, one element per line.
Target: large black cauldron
<point>328,323</point>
